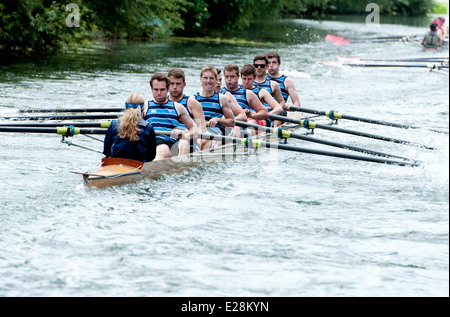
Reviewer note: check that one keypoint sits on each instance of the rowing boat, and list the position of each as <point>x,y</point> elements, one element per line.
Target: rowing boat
<point>119,171</point>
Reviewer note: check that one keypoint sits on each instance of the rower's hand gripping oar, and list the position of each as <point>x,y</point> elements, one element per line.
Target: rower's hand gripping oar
<point>308,124</point>
<point>279,132</point>
<point>334,115</point>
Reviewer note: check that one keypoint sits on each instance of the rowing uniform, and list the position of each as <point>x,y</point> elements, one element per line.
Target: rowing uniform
<point>211,109</point>
<point>143,150</point>
<point>265,85</point>
<point>280,80</point>
<point>431,40</point>
<point>164,117</point>
<point>194,146</point>
<point>256,91</point>
<point>241,96</point>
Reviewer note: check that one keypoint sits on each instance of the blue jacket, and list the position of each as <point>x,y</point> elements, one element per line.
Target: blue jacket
<point>143,150</point>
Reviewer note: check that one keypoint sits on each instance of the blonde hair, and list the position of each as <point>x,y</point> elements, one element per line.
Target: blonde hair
<point>128,127</point>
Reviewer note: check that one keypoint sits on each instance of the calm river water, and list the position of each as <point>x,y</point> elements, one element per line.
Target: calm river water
<point>279,224</point>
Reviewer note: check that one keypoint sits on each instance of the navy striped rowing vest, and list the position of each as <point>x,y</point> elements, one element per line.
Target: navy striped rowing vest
<point>163,117</point>
<point>281,80</point>
<point>240,95</point>
<point>210,105</point>
<point>265,85</point>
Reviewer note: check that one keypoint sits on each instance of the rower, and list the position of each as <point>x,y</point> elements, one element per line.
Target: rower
<point>219,80</point>
<point>260,62</point>
<point>253,108</point>
<point>177,79</point>
<point>216,108</point>
<point>130,136</point>
<point>170,116</point>
<point>248,75</point>
<point>442,29</point>
<point>432,40</point>
<point>286,84</point>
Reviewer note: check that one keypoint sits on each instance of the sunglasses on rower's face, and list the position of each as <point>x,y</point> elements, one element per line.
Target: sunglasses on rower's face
<point>259,65</point>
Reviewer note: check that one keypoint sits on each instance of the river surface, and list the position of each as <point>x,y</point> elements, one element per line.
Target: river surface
<point>278,224</point>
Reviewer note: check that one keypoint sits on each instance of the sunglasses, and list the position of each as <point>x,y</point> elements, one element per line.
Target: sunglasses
<point>260,65</point>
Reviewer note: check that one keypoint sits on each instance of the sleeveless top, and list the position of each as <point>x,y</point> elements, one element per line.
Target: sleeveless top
<point>283,89</point>
<point>431,40</point>
<point>210,105</point>
<point>265,85</point>
<point>163,117</point>
<point>240,95</point>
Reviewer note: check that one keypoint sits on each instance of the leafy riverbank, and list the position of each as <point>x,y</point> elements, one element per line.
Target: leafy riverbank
<point>45,26</point>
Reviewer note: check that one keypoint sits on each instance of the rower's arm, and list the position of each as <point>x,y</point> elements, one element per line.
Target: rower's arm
<point>277,93</point>
<point>261,112</point>
<point>228,116</point>
<point>187,121</point>
<point>267,98</point>
<point>236,108</point>
<point>197,111</point>
<point>292,92</point>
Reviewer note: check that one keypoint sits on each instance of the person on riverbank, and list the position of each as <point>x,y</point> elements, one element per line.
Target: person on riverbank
<point>253,108</point>
<point>130,136</point>
<point>286,84</point>
<point>216,108</point>
<point>432,40</point>
<point>177,79</point>
<point>248,75</point>
<point>169,116</point>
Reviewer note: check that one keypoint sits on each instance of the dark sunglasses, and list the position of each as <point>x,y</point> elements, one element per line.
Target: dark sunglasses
<point>260,65</point>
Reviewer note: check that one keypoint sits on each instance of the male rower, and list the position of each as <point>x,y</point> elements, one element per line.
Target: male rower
<point>286,84</point>
<point>217,110</point>
<point>167,115</point>
<point>248,74</point>
<point>177,79</point>
<point>260,62</point>
<point>253,108</point>
<point>432,40</point>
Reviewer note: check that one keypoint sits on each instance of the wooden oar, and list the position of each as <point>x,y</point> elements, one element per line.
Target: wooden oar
<point>312,125</point>
<point>288,134</point>
<point>336,115</point>
<point>68,117</point>
<point>71,110</point>
<point>255,143</point>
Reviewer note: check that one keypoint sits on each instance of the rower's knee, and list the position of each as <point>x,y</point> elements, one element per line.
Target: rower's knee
<point>162,152</point>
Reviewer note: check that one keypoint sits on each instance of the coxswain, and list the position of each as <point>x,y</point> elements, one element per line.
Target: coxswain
<point>216,108</point>
<point>432,39</point>
<point>286,84</point>
<point>177,79</point>
<point>130,136</point>
<point>168,116</point>
<point>248,75</point>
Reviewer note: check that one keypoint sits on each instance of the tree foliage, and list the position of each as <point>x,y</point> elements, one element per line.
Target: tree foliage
<point>39,26</point>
